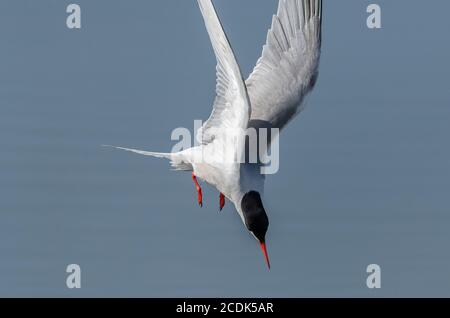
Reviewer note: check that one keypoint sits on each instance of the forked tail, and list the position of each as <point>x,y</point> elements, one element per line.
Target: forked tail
<point>177,160</point>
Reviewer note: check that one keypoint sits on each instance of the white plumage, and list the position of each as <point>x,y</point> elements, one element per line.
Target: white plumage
<point>271,97</point>
<point>288,67</point>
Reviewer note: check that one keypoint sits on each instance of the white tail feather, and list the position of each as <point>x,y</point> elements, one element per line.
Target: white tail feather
<point>176,159</point>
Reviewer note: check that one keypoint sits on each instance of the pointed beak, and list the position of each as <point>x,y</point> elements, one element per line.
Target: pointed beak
<point>264,250</point>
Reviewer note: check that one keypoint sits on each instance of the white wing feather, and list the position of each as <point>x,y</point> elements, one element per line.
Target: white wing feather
<point>288,68</point>
<point>231,107</point>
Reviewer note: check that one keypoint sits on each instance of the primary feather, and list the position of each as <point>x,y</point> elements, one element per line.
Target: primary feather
<point>288,68</point>
<point>231,107</point>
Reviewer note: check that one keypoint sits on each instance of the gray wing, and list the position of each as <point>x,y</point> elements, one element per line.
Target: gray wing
<point>231,107</point>
<point>288,68</point>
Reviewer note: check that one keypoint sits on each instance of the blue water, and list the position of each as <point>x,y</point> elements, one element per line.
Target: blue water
<point>364,176</point>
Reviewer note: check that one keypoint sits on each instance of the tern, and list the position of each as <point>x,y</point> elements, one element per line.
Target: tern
<point>271,97</point>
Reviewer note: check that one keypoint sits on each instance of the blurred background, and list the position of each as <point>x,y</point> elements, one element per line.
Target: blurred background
<point>364,175</point>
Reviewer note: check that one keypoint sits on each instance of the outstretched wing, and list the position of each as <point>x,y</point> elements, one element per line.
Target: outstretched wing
<point>231,106</point>
<point>288,68</point>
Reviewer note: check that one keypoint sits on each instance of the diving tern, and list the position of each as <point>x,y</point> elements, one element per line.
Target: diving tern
<point>271,97</point>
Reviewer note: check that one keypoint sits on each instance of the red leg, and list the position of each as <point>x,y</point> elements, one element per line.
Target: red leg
<point>199,190</point>
<point>222,201</point>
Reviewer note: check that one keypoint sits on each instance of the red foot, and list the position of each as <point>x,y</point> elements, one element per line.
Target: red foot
<point>222,201</point>
<point>199,190</point>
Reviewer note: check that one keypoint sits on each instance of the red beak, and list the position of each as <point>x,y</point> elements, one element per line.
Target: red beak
<point>264,250</point>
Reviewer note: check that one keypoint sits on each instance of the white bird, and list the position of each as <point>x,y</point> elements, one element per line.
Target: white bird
<point>271,97</point>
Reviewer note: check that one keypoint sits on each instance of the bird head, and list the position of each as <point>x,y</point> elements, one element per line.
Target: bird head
<point>256,219</point>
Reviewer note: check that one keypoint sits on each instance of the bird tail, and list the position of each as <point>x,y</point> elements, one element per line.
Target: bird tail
<point>177,160</point>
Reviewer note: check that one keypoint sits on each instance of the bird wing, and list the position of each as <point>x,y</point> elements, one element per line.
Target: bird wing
<point>231,106</point>
<point>288,68</point>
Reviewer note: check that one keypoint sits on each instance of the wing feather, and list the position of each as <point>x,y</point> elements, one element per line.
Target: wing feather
<point>231,107</point>
<point>288,68</point>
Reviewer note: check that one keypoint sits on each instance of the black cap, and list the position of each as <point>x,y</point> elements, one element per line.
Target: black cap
<point>255,216</point>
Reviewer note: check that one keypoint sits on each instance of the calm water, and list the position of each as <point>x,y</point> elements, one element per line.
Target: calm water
<point>364,177</point>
